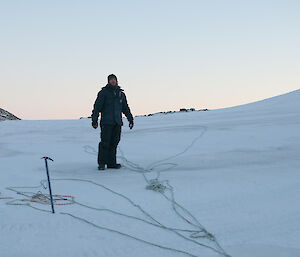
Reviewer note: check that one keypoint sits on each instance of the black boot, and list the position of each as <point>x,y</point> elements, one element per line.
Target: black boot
<point>101,167</point>
<point>116,166</point>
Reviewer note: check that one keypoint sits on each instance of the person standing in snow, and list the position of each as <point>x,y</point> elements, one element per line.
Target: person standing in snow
<point>111,102</point>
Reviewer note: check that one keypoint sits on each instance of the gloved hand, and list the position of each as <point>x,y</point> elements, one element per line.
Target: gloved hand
<point>95,124</point>
<point>130,124</point>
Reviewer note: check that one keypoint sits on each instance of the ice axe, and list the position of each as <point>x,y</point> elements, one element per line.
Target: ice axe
<point>48,177</point>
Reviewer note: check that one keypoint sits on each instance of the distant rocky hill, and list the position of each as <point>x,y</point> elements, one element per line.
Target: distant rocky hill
<point>5,115</point>
<point>181,110</point>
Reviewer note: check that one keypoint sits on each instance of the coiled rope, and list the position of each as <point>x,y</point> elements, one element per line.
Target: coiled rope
<point>160,186</point>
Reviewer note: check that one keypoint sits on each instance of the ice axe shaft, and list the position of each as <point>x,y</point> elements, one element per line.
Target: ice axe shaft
<point>49,184</point>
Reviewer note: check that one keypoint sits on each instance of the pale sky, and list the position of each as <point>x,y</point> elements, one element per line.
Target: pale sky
<point>56,55</point>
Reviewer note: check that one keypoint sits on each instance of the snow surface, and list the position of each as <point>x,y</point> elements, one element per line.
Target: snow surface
<point>236,170</point>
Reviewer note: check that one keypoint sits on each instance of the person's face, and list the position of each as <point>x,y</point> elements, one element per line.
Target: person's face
<point>113,81</point>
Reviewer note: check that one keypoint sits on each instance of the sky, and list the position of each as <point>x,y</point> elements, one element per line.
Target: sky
<point>56,55</point>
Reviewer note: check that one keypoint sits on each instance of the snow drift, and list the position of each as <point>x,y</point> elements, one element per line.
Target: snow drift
<point>235,171</point>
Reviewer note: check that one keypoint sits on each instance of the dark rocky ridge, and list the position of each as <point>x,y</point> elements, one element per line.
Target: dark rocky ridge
<point>169,112</point>
<point>5,115</point>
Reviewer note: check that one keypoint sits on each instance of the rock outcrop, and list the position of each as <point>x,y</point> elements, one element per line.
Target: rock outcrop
<point>5,115</point>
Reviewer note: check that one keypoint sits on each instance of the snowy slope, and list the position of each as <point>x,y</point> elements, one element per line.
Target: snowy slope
<point>282,103</point>
<point>236,170</point>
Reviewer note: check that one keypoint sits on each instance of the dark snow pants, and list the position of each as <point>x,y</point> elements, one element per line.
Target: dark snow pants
<point>110,138</point>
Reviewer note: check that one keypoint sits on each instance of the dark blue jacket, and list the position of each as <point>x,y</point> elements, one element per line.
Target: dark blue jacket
<point>111,102</point>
